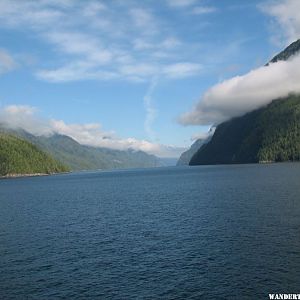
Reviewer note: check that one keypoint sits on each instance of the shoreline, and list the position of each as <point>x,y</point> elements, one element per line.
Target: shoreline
<point>23,175</point>
<point>11,176</point>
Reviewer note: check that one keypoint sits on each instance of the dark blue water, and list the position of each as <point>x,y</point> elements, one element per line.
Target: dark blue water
<point>215,232</point>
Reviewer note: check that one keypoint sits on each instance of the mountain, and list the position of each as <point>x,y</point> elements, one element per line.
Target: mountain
<point>80,157</point>
<point>18,156</point>
<point>268,134</point>
<point>288,52</point>
<point>186,156</point>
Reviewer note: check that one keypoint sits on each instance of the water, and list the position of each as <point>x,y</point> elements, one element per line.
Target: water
<point>211,232</point>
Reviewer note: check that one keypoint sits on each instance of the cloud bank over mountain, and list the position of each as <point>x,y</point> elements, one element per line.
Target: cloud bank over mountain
<point>242,94</point>
<point>26,118</point>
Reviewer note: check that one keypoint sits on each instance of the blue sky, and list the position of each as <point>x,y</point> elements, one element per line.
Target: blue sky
<point>121,73</point>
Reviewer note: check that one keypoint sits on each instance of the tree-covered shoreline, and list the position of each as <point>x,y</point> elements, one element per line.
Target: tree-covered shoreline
<point>19,157</point>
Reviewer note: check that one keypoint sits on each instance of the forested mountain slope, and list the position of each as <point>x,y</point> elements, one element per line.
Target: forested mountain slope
<point>269,134</point>
<point>18,156</point>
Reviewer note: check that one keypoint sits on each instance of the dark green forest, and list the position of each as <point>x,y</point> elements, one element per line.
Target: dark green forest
<point>18,156</point>
<point>269,134</point>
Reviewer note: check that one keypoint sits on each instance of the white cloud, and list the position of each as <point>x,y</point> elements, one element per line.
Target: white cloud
<point>201,10</point>
<point>77,71</point>
<point>142,18</point>
<point>26,118</point>
<point>20,110</point>
<point>82,70</point>
<point>82,45</point>
<point>142,70</point>
<point>169,43</point>
<point>99,40</point>
<point>58,3</point>
<point>23,116</point>
<point>242,94</point>
<point>93,135</point>
<point>141,44</point>
<point>181,3</point>
<point>7,63</point>
<point>94,8</point>
<point>286,14</point>
<point>150,110</point>
<point>181,70</point>
<point>34,14</point>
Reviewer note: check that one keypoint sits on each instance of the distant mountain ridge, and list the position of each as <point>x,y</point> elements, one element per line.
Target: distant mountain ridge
<point>268,134</point>
<point>80,157</point>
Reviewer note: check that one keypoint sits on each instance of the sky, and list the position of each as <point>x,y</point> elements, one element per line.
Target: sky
<point>149,75</point>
